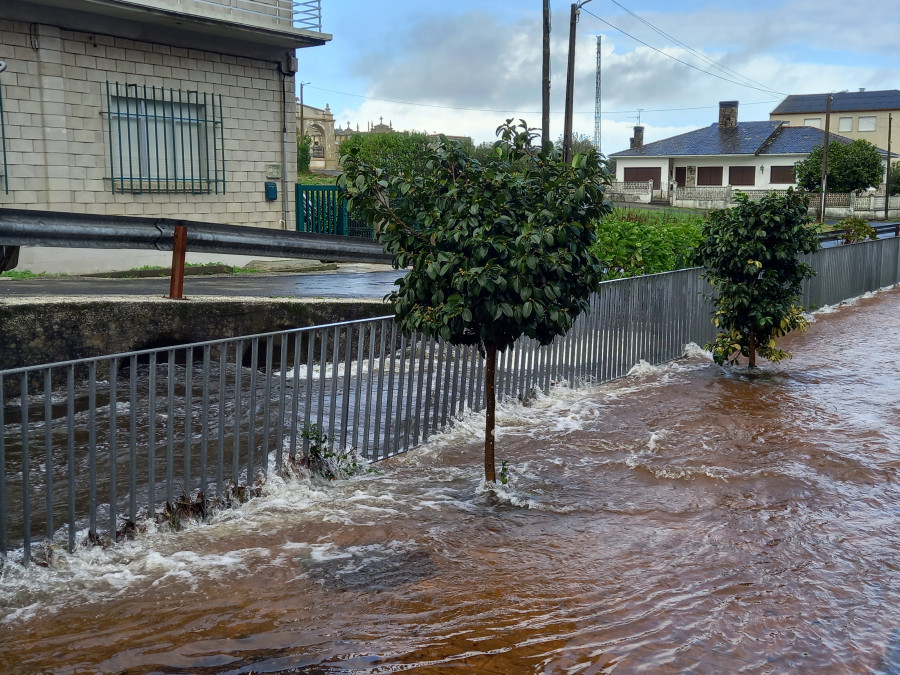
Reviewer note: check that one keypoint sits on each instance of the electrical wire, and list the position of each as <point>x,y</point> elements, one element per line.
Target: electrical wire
<point>520,112</point>
<point>689,65</point>
<point>695,52</point>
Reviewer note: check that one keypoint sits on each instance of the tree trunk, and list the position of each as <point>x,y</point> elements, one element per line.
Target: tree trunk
<point>752,357</point>
<point>490,370</point>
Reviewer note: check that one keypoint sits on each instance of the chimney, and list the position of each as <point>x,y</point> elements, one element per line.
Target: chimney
<point>638,140</point>
<point>728,111</point>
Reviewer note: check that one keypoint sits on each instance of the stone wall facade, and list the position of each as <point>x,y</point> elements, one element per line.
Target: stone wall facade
<point>57,125</point>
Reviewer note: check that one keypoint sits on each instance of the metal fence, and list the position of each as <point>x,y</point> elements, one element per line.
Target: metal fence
<point>89,447</point>
<point>321,210</point>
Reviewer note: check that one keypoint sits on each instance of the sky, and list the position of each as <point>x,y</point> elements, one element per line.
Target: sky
<point>462,67</point>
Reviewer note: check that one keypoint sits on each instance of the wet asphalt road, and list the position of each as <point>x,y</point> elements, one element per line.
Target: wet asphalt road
<point>327,285</point>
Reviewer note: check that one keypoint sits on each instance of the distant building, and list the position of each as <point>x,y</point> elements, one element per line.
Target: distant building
<point>855,114</point>
<point>745,155</point>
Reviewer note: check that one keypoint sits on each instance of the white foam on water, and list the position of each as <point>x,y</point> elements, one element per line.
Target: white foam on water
<point>422,479</point>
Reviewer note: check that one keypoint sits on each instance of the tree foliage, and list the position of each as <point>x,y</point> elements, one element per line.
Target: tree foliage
<point>497,248</point>
<point>894,184</point>
<point>581,143</point>
<point>303,153</point>
<point>750,253</point>
<point>395,152</point>
<point>852,167</point>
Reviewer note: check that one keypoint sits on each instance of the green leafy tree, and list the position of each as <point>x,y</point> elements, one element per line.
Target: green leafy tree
<point>581,143</point>
<point>894,185</point>
<point>750,253</point>
<point>852,167</point>
<point>395,152</point>
<point>303,154</point>
<point>497,248</point>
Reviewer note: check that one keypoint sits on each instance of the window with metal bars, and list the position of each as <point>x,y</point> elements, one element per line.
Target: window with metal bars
<point>165,140</point>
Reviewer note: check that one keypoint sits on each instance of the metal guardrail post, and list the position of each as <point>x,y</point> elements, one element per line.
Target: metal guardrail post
<point>176,284</point>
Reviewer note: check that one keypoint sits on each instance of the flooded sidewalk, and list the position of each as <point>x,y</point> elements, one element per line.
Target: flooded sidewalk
<point>686,519</point>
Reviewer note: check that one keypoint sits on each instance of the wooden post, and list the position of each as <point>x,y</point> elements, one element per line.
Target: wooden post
<point>176,283</point>
<point>887,176</point>
<point>570,86</point>
<point>545,79</point>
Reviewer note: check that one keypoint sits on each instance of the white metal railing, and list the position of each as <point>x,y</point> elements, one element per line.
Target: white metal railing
<point>302,14</point>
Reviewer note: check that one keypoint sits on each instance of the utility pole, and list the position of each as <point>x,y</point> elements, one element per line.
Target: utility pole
<point>887,177</point>
<point>825,157</point>
<point>597,96</point>
<point>570,81</point>
<point>545,81</point>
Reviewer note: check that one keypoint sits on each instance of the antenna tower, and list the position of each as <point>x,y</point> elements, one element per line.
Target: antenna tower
<point>597,101</point>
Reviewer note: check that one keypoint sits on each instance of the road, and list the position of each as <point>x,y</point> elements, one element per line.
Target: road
<point>323,285</point>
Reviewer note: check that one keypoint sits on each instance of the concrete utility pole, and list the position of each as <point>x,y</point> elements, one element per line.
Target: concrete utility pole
<point>570,81</point>
<point>545,81</point>
<point>825,157</point>
<point>887,177</point>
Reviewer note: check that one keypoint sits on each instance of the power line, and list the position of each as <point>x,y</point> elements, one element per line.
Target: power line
<point>695,52</point>
<point>521,112</point>
<point>689,65</point>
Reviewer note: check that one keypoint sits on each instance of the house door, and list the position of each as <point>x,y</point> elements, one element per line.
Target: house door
<point>681,176</point>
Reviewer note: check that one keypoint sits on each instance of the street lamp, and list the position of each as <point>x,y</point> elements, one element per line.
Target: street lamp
<point>302,129</point>
<point>570,81</point>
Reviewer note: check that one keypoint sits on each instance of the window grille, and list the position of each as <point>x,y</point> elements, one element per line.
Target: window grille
<point>3,143</point>
<point>165,141</point>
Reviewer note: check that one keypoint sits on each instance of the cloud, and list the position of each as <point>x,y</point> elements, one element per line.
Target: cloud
<point>483,67</point>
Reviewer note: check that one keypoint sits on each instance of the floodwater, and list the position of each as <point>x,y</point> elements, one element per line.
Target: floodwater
<point>686,519</point>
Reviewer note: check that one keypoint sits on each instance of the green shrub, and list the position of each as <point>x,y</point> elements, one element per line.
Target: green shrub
<point>634,242</point>
<point>854,229</point>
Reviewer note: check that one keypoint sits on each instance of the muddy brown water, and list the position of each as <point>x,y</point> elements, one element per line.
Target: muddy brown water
<point>687,519</point>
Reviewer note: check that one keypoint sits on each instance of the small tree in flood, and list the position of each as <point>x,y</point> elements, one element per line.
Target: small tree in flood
<point>498,248</point>
<point>750,255</point>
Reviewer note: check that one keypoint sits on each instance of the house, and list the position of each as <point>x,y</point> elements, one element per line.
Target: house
<point>745,155</point>
<point>857,114</point>
<point>151,108</point>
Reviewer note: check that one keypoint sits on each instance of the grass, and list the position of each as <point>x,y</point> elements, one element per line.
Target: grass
<point>24,274</point>
<point>315,179</point>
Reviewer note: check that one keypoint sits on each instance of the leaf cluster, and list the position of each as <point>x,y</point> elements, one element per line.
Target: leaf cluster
<point>750,253</point>
<point>852,167</point>
<point>630,243</point>
<point>893,187</point>
<point>853,229</point>
<point>497,248</point>
<point>304,156</point>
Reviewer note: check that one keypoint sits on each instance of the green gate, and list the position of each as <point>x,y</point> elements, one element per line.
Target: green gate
<point>321,210</point>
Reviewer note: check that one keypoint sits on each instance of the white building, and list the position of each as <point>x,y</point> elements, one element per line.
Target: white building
<point>744,155</point>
